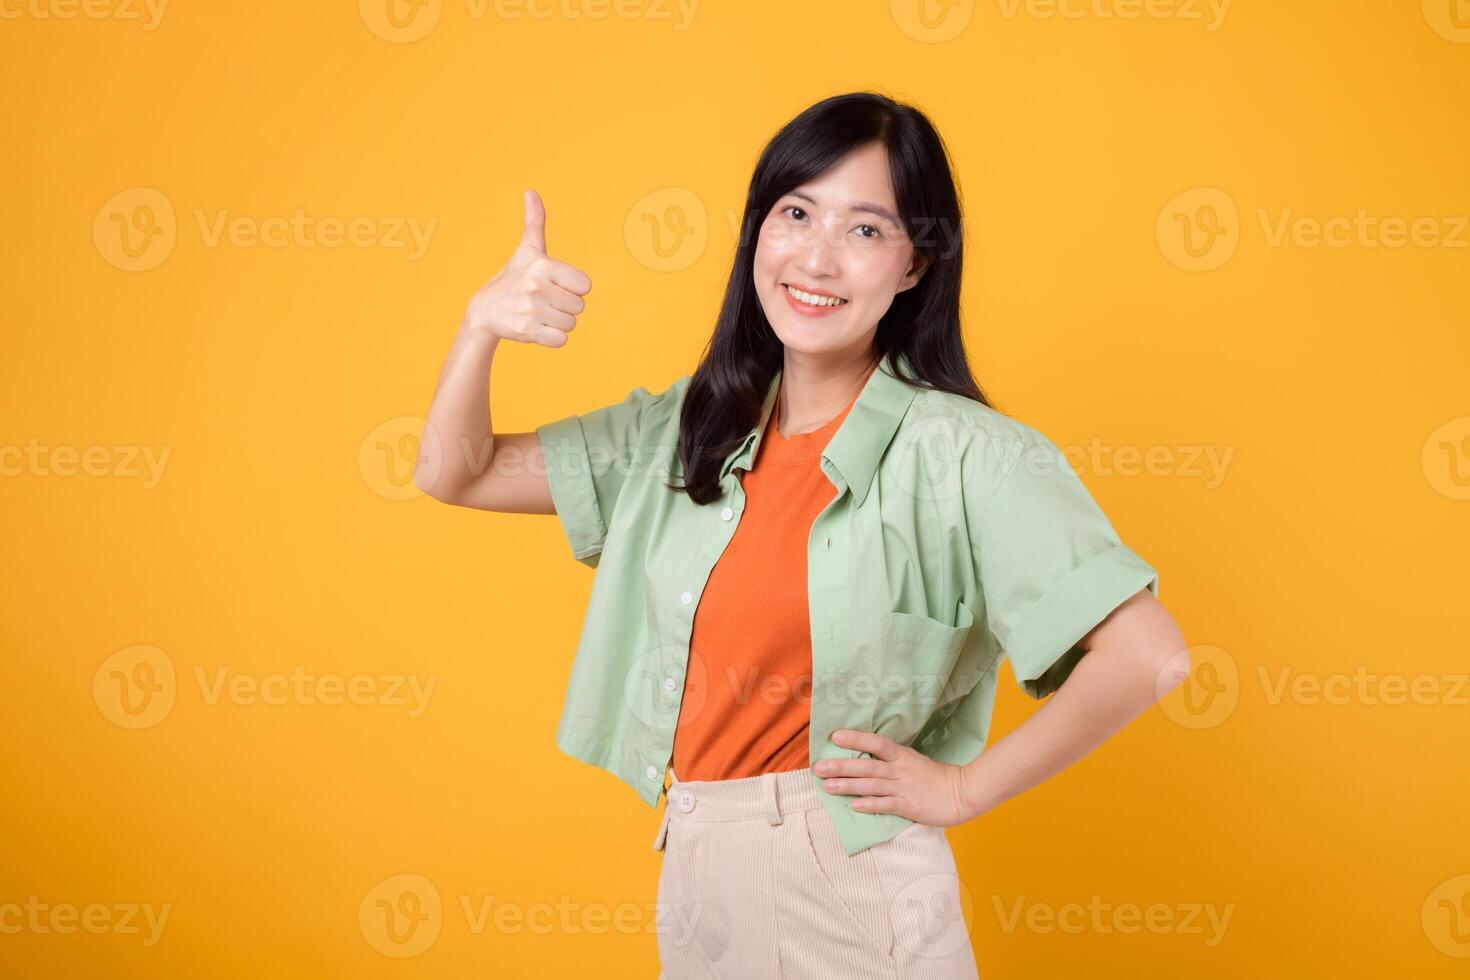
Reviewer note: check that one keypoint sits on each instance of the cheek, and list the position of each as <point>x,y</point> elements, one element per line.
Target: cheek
<point>883,266</point>
<point>773,249</point>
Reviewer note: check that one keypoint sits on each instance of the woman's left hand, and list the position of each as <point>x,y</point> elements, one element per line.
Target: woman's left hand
<point>897,779</point>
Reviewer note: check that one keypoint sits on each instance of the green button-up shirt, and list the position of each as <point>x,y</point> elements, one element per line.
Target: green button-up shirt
<point>958,536</point>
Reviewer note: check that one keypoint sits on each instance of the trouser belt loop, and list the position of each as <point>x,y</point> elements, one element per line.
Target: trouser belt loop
<point>768,790</point>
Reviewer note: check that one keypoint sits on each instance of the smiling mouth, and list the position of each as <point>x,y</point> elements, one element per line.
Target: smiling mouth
<point>814,300</point>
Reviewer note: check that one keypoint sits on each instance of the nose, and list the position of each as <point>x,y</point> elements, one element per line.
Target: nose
<point>819,254</point>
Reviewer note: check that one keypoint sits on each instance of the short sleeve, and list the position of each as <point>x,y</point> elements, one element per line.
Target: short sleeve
<point>589,458</point>
<point>1050,564</point>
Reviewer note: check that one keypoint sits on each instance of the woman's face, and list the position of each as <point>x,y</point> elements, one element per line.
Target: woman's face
<point>836,236</point>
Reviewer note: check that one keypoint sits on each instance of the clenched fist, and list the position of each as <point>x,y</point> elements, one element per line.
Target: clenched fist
<point>535,298</point>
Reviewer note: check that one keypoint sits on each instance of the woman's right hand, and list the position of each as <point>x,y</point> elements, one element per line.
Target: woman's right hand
<point>534,299</point>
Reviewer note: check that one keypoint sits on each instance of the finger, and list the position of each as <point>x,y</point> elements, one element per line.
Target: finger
<point>548,336</point>
<point>556,319</point>
<point>557,298</point>
<point>861,787</point>
<point>874,744</point>
<point>878,804</point>
<point>856,767</point>
<point>534,235</point>
<point>568,277</point>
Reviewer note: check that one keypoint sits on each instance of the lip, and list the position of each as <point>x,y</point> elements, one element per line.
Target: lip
<point>812,289</point>
<point>802,308</point>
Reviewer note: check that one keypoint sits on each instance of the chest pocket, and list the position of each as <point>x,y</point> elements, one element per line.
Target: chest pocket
<point>919,659</point>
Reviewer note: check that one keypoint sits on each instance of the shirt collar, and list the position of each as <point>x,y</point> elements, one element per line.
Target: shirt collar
<point>858,443</point>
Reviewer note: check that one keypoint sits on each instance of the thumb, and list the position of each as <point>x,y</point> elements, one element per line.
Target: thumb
<point>534,235</point>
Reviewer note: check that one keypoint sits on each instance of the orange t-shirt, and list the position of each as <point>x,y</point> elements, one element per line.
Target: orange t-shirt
<point>746,707</point>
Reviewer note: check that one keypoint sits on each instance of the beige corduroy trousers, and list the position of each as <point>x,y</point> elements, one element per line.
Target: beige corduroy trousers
<point>755,885</point>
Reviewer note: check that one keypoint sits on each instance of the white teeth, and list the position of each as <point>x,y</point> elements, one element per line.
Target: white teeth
<point>812,300</point>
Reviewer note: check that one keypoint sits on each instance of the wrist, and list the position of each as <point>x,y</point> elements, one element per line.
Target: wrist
<point>476,336</point>
<point>973,795</point>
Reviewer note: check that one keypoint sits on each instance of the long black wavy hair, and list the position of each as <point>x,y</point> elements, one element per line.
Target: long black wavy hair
<point>727,390</point>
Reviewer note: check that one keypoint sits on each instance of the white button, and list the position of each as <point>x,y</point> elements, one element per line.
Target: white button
<point>686,598</point>
<point>686,801</point>
<point>726,514</point>
<point>668,684</point>
<point>651,772</point>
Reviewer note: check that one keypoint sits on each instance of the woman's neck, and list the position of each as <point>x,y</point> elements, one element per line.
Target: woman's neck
<point>815,388</point>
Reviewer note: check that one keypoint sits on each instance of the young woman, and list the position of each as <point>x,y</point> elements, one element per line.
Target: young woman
<point>812,554</point>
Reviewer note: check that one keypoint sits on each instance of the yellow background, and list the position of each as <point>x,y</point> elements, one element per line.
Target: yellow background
<point>1331,833</point>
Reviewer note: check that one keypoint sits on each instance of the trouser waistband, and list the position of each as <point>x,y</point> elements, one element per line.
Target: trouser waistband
<point>771,795</point>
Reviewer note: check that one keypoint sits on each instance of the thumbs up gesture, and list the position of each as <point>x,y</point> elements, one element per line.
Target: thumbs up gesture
<point>534,298</point>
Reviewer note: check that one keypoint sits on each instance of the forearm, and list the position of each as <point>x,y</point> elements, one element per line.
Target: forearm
<point>457,444</point>
<point>1108,688</point>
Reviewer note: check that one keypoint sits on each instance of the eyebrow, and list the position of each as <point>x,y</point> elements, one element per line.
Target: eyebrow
<point>867,206</point>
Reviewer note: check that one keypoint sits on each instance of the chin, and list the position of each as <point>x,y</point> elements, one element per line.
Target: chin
<point>808,343</point>
<point>799,333</point>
